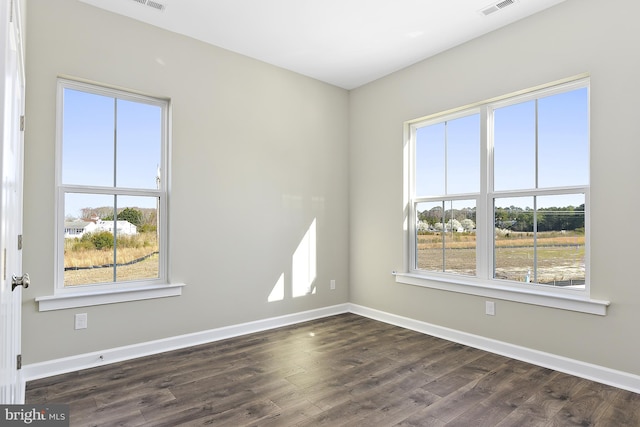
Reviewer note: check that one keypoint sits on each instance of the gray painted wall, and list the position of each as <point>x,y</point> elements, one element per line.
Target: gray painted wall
<point>577,36</point>
<point>258,154</point>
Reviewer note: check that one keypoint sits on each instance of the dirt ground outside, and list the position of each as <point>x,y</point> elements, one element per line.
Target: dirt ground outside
<point>146,269</point>
<point>559,257</point>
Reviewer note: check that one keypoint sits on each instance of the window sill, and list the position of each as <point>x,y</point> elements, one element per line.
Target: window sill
<point>527,296</point>
<point>85,299</point>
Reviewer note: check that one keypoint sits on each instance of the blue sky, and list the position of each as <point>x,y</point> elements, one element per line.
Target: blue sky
<point>93,154</point>
<point>563,151</point>
<point>562,143</point>
<point>463,157</point>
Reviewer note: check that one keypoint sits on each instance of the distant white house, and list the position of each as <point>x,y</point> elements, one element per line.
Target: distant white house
<point>79,227</point>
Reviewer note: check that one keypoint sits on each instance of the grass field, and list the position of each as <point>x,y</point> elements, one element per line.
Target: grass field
<point>560,256</point>
<point>142,270</point>
<point>131,249</point>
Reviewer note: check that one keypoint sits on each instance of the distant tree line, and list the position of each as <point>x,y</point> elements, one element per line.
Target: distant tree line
<point>439,215</point>
<point>570,218</point>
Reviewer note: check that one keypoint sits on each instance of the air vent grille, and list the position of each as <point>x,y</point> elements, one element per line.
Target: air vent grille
<point>153,4</point>
<point>157,5</point>
<point>504,4</point>
<point>496,7</point>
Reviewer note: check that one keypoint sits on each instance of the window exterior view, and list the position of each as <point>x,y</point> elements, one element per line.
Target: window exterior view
<point>111,191</point>
<point>500,191</point>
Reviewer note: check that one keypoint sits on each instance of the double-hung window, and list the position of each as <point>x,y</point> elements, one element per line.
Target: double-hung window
<point>498,196</point>
<point>111,180</point>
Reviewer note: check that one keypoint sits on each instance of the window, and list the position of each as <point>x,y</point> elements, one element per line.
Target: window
<point>499,194</point>
<point>111,192</point>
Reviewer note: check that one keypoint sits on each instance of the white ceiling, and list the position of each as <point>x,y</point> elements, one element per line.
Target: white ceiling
<point>343,42</point>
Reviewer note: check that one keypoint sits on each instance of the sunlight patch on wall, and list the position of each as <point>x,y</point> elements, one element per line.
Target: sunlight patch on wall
<point>277,293</point>
<point>303,268</point>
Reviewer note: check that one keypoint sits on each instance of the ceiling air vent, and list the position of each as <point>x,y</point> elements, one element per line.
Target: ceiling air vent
<point>155,5</point>
<point>151,3</point>
<point>496,7</point>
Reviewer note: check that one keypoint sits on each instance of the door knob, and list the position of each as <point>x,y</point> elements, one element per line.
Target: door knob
<point>20,281</point>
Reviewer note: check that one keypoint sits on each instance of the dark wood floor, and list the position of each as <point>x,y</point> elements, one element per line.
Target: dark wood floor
<point>341,370</point>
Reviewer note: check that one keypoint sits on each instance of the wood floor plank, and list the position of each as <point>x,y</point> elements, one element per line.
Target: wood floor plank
<point>120,413</point>
<point>469,395</point>
<point>149,399</point>
<point>501,403</point>
<point>478,366</point>
<point>393,407</point>
<point>545,403</point>
<point>294,409</point>
<point>343,370</point>
<point>242,415</point>
<point>586,406</point>
<point>624,410</point>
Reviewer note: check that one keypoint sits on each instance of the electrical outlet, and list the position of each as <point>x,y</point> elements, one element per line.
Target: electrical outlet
<point>333,284</point>
<point>490,308</point>
<point>81,321</point>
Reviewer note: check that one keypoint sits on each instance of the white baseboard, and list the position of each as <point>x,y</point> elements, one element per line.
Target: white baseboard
<point>578,368</point>
<point>619,379</point>
<point>50,368</point>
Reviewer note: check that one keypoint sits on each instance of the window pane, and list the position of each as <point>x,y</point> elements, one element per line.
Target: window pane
<point>563,139</point>
<point>139,143</point>
<point>137,254</point>
<point>448,157</point>
<point>90,230</point>
<point>542,245</point>
<point>87,139</point>
<point>561,240</point>
<point>514,147</point>
<point>445,236</point>
<point>88,242</point>
<point>514,242</point>
<point>463,155</point>
<point>460,238</point>
<point>429,238</point>
<point>430,160</point>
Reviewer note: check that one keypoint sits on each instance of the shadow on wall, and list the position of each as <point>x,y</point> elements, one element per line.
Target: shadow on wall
<point>303,269</point>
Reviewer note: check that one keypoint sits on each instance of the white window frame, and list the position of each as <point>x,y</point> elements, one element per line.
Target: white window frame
<point>483,284</point>
<point>114,292</point>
